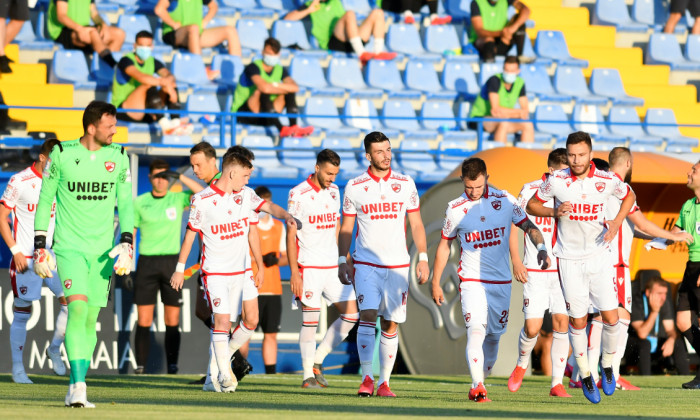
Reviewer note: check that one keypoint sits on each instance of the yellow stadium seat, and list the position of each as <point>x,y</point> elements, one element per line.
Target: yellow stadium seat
<point>544,16</point>
<point>593,36</point>
<point>656,94</point>
<point>39,95</point>
<point>644,75</point>
<point>12,52</point>
<point>25,73</point>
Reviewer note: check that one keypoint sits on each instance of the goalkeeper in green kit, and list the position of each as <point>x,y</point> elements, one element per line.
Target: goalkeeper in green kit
<point>85,176</point>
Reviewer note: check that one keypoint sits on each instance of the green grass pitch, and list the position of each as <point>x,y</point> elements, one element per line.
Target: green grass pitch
<point>281,397</point>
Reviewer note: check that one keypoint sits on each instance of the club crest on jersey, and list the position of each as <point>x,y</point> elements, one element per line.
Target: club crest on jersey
<point>361,298</point>
<point>366,188</point>
<point>67,284</point>
<point>526,302</point>
<point>308,294</point>
<point>217,302</point>
<point>333,196</point>
<point>396,187</point>
<point>600,186</point>
<point>171,213</point>
<point>238,199</point>
<point>23,290</point>
<point>468,317</point>
<point>496,204</point>
<point>483,219</point>
<point>109,166</point>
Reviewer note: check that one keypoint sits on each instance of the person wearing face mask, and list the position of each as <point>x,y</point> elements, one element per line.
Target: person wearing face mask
<point>498,99</point>
<point>142,82</point>
<point>492,33</point>
<point>265,86</point>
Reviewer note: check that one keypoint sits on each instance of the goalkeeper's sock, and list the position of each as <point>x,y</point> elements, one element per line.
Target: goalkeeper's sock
<point>78,370</point>
<point>75,332</point>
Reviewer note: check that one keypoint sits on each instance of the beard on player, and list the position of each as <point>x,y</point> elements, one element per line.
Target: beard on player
<point>381,164</point>
<point>628,177</point>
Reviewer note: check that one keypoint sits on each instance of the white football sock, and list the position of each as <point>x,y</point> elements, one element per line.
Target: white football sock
<point>595,331</point>
<point>357,45</point>
<point>388,347</point>
<point>223,357</point>
<point>609,343</point>
<point>307,339</point>
<point>378,45</point>
<point>525,346</point>
<point>335,335</point>
<point>579,342</point>
<point>621,346</point>
<point>490,352</point>
<point>18,336</point>
<point>574,367</point>
<point>59,333</point>
<point>560,348</point>
<point>240,336</point>
<point>365,346</point>
<point>475,353</point>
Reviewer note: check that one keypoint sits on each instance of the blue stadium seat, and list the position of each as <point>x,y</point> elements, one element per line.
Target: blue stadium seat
<point>133,24</point>
<point>349,166</point>
<point>204,102</point>
<point>177,140</point>
<point>623,121</point>
<point>673,147</point>
<point>266,161</point>
<point>240,4</point>
<point>404,39</point>
<point>538,83</point>
<point>459,9</point>
<point>303,158</point>
<point>441,38</point>
<point>385,75</point>
<point>607,82</point>
<point>615,13</point>
<point>413,156</point>
<point>189,69</point>
<point>545,117</point>
<point>421,75</point>
<point>279,5</point>
<point>399,114</point>
<point>670,131</point>
<point>28,39</point>
<point>437,109</point>
<point>307,72</point>
<point>230,68</point>
<point>462,114</point>
<point>588,118</point>
<point>322,108</point>
<point>360,7</point>
<point>488,70</point>
<point>664,49</point>
<point>692,48</point>
<point>101,72</point>
<point>459,76</point>
<point>570,81</point>
<point>454,152</point>
<point>361,113</point>
<point>290,32</point>
<point>655,14</point>
<point>346,73</point>
<point>252,33</point>
<point>69,66</point>
<point>551,44</point>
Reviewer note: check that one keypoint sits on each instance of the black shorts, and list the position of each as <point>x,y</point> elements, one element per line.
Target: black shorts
<point>14,9</point>
<point>270,308</point>
<point>153,274</point>
<point>169,38</point>
<point>688,291</point>
<point>334,44</point>
<point>680,6</point>
<point>64,38</point>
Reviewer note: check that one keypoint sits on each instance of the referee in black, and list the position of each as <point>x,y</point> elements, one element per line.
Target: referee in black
<point>689,290</point>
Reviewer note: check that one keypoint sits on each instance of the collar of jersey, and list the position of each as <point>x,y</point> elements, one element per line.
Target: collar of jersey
<point>37,173</point>
<point>317,189</point>
<point>590,172</point>
<point>376,178</point>
<point>486,194</point>
<point>545,176</point>
<point>217,189</point>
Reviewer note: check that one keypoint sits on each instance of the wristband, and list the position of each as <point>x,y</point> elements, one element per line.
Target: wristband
<point>423,256</point>
<point>180,267</point>
<point>40,239</point>
<point>541,247</point>
<point>342,260</point>
<point>127,237</point>
<point>15,249</point>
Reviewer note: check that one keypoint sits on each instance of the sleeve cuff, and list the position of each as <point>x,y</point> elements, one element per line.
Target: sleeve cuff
<point>349,214</point>
<point>447,237</point>
<point>521,222</point>
<point>413,210</point>
<point>260,206</point>
<point>253,223</point>
<point>192,228</point>
<point>537,196</point>
<point>4,203</point>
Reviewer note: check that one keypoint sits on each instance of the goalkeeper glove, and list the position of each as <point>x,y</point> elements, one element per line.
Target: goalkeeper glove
<point>124,253</point>
<point>270,259</point>
<point>44,263</point>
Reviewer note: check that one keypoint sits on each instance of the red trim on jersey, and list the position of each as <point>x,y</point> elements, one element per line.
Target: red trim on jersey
<point>237,273</point>
<point>447,237</point>
<point>260,206</point>
<point>349,214</point>
<point>545,176</point>
<point>253,223</point>
<point>382,266</point>
<point>4,203</point>
<point>376,178</point>
<point>486,193</point>
<point>317,267</point>
<point>414,210</point>
<point>538,197</point>
<point>37,173</point>
<point>308,180</point>
<point>628,192</point>
<point>533,270</point>
<point>486,281</point>
<point>522,221</point>
<point>217,189</point>
<point>190,227</point>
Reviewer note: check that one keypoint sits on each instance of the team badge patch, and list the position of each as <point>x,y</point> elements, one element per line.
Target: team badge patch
<point>496,204</point>
<point>483,219</point>
<point>361,298</point>
<point>217,302</point>
<point>308,294</point>
<point>468,317</point>
<point>526,302</point>
<point>333,196</point>
<point>23,290</point>
<point>171,213</point>
<point>109,166</point>
<point>600,186</point>
<point>67,284</point>
<point>396,187</point>
<point>238,199</point>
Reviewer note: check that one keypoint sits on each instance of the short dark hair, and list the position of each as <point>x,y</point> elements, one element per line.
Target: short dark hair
<point>143,34</point>
<point>617,154</point>
<point>374,137</point>
<point>47,146</point>
<point>94,112</point>
<point>654,281</point>
<point>512,59</point>
<point>262,191</point>
<point>557,157</point>
<point>241,150</point>
<point>204,147</point>
<point>236,159</point>
<point>579,137</point>
<point>272,43</point>
<point>327,155</point>
<point>158,164</point>
<point>473,167</point>
<point>601,164</point>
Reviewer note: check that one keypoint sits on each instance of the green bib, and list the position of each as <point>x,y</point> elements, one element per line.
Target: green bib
<point>186,12</point>
<point>324,19</point>
<point>494,17</point>
<point>242,93</point>
<point>78,11</point>
<point>121,91</point>
<point>689,221</point>
<point>160,221</point>
<point>482,106</point>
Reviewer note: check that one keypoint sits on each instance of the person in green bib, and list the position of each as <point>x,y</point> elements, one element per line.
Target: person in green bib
<point>265,86</point>
<point>336,29</point>
<point>498,99</point>
<point>185,26</point>
<point>135,85</point>
<point>158,213</point>
<point>492,33</point>
<point>69,24</point>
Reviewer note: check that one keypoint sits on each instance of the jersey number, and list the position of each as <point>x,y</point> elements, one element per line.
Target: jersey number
<point>504,318</point>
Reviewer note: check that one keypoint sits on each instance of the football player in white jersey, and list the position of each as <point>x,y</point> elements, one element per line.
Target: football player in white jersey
<point>316,202</point>
<point>380,200</point>
<point>482,218</point>
<point>580,195</point>
<point>20,199</point>
<point>541,290</point>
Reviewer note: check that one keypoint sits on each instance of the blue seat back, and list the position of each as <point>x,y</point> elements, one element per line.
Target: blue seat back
<point>611,12</point>
<point>536,79</point>
<point>460,77</point>
<point>551,44</point>
<point>307,71</point>
<point>607,82</point>
<point>402,109</point>
<point>692,48</point>
<point>441,38</point>
<point>384,75</point>
<point>319,106</point>
<point>421,75</point>
<point>69,66</point>
<point>570,80</point>
<point>664,48</point>
<point>412,156</point>
<point>230,68</point>
<point>205,102</point>
<point>345,73</point>
<point>551,114</point>
<point>290,32</point>
<point>403,38</point>
<point>437,109</point>
<point>133,24</point>
<point>630,127</point>
<point>661,116</point>
<point>361,113</point>
<point>189,68</point>
<point>252,33</point>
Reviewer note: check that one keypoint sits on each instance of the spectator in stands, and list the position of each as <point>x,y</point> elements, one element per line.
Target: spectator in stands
<point>499,98</point>
<point>136,86</point>
<point>265,86</point>
<point>492,33</point>
<point>336,29</point>
<point>68,23</point>
<point>185,27</point>
<point>18,12</point>
<point>653,339</point>
<point>678,8</point>
<point>407,8</point>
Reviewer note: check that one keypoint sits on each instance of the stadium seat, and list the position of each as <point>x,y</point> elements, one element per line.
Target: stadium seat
<point>441,38</point>
<point>454,152</point>
<point>624,121</point>
<point>552,45</point>
<point>361,113</point>
<point>28,39</point>
<point>692,48</point>
<point>437,109</point>
<point>177,140</point>
<point>361,7</point>
<point>570,81</point>
<point>189,69</point>
<point>463,114</point>
<point>346,73</point>
<point>266,160</point>
<point>69,66</point>
<point>413,156</point>
<point>307,72</point>
<point>290,32</point>
<point>615,13</point>
<point>664,49</point>
<point>588,118</point>
<point>538,83</point>
<point>133,24</point>
<point>303,158</point>
<point>101,72</point>
<point>607,82</point>
<point>403,38</point>
<point>459,9</point>
<point>654,14</point>
<point>488,70</point>
<point>385,75</point>
<point>545,117</point>
<point>204,102</point>
<point>458,76</point>
<point>252,33</point>
<point>670,130</point>
<point>349,166</point>
<point>421,75</point>
<point>321,112</point>
<point>230,68</point>
<point>399,114</point>
<point>280,5</point>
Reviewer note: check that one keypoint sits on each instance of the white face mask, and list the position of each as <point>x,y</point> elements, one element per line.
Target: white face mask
<point>509,77</point>
<point>271,60</point>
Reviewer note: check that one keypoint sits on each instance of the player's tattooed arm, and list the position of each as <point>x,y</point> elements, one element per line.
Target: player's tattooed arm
<point>536,237</point>
<point>536,208</point>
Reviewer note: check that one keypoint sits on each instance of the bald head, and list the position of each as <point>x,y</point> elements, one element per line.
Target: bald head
<point>619,156</point>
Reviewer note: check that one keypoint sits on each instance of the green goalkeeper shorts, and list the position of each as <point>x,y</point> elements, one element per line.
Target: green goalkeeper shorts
<point>85,274</point>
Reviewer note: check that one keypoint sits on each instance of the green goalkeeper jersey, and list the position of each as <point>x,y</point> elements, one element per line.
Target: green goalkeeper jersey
<point>85,185</point>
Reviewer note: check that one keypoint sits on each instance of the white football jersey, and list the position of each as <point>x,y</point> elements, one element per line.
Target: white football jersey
<point>580,233</point>
<point>21,196</point>
<point>319,212</point>
<point>380,205</point>
<point>223,222</point>
<point>621,246</point>
<point>546,225</point>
